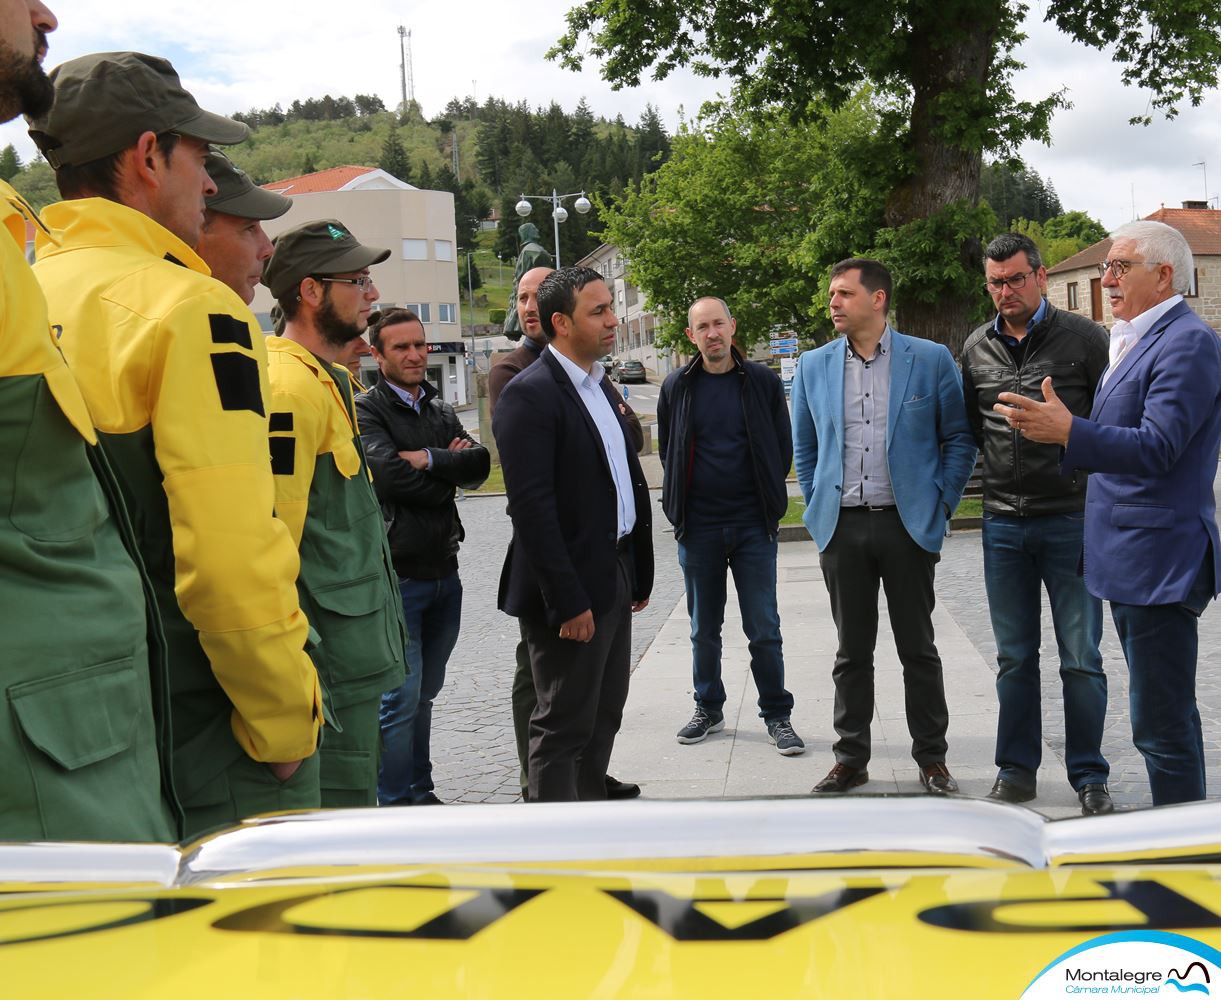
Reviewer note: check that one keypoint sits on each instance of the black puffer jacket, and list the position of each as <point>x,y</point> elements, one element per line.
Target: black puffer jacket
<point>421,516</point>
<point>1022,477</point>
<point>767,424</point>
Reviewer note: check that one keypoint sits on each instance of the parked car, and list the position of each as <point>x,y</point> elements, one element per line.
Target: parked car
<point>629,371</point>
<point>607,363</point>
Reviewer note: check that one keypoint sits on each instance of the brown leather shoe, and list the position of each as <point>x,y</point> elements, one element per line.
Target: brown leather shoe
<point>937,780</point>
<point>841,777</point>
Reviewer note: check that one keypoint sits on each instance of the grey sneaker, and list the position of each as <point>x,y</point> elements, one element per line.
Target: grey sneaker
<point>780,732</point>
<point>702,723</point>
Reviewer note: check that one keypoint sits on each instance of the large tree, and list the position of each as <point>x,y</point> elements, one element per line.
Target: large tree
<point>949,62</point>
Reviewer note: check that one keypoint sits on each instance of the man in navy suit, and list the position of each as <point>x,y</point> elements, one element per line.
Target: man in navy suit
<point>883,451</point>
<point>581,558</point>
<point>1151,444</point>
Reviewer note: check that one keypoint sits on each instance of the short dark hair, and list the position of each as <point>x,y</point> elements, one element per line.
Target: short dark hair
<point>557,293</point>
<point>100,178</point>
<point>378,321</point>
<point>874,274</point>
<point>1007,244</point>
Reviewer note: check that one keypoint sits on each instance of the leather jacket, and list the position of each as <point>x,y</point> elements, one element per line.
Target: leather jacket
<point>1021,477</point>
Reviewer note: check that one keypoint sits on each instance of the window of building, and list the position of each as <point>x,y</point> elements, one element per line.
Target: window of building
<point>1072,296</point>
<point>421,309</point>
<point>1194,290</point>
<point>445,249</point>
<point>415,249</point>
<point>447,312</point>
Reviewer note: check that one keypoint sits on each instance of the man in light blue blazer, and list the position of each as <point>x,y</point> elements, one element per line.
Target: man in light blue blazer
<point>883,451</point>
<point>1150,444</point>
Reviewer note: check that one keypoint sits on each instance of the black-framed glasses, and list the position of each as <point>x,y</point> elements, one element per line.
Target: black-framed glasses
<point>1014,281</point>
<point>364,282</point>
<point>1119,268</point>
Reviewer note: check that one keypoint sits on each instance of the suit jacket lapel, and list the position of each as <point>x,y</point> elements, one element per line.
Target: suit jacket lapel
<point>833,373</point>
<point>900,371</point>
<point>1135,354</point>
<point>574,398</point>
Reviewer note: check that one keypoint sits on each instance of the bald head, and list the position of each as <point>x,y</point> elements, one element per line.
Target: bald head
<point>527,303</point>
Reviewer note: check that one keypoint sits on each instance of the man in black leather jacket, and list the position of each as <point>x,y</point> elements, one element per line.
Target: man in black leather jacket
<point>1034,521</point>
<point>419,455</point>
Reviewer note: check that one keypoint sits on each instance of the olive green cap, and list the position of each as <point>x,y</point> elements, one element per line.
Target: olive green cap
<point>321,247</point>
<point>105,101</point>
<point>236,194</point>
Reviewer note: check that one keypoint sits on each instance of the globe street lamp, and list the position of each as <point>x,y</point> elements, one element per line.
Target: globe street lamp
<point>558,212</point>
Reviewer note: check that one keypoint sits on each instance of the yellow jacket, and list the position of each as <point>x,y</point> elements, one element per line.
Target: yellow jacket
<point>174,370</point>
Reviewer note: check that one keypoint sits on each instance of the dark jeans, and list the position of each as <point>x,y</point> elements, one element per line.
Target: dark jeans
<point>581,689</point>
<point>868,548</point>
<point>705,554</point>
<point>432,610</point>
<point>1160,643</point>
<point>1021,555</point>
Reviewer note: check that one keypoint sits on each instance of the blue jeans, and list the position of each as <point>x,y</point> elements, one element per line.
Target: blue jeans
<point>1020,554</point>
<point>432,610</point>
<point>1160,643</point>
<point>750,554</point>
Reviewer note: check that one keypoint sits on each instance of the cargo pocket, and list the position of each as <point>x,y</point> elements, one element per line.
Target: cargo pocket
<point>348,778</point>
<point>91,749</point>
<point>356,621</point>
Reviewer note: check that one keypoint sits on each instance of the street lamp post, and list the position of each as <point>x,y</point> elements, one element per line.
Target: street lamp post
<point>558,212</point>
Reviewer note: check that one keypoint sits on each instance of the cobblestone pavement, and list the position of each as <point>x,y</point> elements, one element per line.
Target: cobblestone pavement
<point>473,749</point>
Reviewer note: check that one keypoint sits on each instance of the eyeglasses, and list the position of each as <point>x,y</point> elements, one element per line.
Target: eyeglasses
<point>1119,268</point>
<point>1015,282</point>
<point>364,282</point>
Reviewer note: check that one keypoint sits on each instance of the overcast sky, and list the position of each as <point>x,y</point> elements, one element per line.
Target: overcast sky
<point>237,54</point>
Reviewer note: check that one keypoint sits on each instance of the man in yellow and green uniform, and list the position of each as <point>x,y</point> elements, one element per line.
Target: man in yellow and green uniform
<point>173,368</point>
<point>319,275</point>
<point>81,663</point>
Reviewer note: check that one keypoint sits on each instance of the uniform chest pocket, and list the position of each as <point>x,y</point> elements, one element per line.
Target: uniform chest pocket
<point>56,497</point>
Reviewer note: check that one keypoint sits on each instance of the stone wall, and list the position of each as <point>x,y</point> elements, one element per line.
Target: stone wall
<point>1206,303</point>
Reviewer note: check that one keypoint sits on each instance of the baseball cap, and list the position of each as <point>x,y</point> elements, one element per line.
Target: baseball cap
<point>321,247</point>
<point>236,194</point>
<point>105,101</point>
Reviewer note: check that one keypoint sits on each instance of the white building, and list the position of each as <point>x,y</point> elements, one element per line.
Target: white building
<point>637,326</point>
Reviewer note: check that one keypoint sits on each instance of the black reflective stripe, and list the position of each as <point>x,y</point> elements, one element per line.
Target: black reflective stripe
<point>229,330</point>
<point>237,381</point>
<point>283,456</point>
<point>280,421</point>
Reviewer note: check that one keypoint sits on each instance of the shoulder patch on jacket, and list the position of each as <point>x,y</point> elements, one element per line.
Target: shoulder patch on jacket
<point>283,455</point>
<point>229,330</point>
<point>280,421</point>
<point>237,381</point>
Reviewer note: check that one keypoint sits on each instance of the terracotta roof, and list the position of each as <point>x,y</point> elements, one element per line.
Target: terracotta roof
<point>1201,227</point>
<point>333,179</point>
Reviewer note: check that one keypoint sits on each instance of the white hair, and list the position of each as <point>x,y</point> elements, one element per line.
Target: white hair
<point>1159,243</point>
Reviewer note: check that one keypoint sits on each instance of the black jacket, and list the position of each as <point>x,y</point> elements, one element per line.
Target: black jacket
<point>767,425</point>
<point>1021,477</point>
<point>562,559</point>
<point>419,509</point>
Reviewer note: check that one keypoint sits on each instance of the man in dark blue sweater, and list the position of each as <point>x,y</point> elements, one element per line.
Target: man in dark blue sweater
<point>727,444</point>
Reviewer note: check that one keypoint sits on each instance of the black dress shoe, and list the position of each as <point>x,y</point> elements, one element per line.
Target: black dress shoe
<point>1095,800</point>
<point>616,789</point>
<point>842,777</point>
<point>1010,791</point>
<point>937,780</point>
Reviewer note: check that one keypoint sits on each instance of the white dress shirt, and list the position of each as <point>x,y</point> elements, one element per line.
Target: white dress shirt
<point>610,429</point>
<point>1126,333</point>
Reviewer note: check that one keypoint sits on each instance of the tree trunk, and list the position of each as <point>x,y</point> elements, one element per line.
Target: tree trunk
<point>943,172</point>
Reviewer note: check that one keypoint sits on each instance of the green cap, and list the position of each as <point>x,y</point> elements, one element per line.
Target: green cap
<point>104,102</point>
<point>236,194</point>
<point>322,247</point>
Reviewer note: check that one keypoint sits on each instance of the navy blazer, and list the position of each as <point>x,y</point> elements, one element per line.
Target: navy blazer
<point>1151,445</point>
<point>562,559</point>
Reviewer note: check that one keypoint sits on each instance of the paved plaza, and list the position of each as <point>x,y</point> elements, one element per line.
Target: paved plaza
<point>473,749</point>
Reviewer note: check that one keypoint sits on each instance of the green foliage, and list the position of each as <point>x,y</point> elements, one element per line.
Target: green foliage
<point>394,158</point>
<point>10,163</point>
<point>496,316</point>
<point>1015,192</point>
<point>755,210</point>
<point>1061,237</point>
<point>476,281</point>
<point>37,183</point>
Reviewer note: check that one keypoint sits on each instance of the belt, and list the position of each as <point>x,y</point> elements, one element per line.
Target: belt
<point>873,508</point>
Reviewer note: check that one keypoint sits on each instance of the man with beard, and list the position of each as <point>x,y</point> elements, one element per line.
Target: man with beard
<point>64,544</point>
<point>319,275</point>
<point>232,241</point>
<point>174,370</point>
<point>420,455</point>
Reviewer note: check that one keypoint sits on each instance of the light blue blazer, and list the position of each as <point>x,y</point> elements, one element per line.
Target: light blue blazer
<point>930,450</point>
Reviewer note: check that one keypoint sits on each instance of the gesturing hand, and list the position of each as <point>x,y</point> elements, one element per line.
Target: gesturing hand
<point>1049,422</point>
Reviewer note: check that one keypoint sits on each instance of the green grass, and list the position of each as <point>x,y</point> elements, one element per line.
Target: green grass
<point>495,483</point>
<point>968,508</point>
